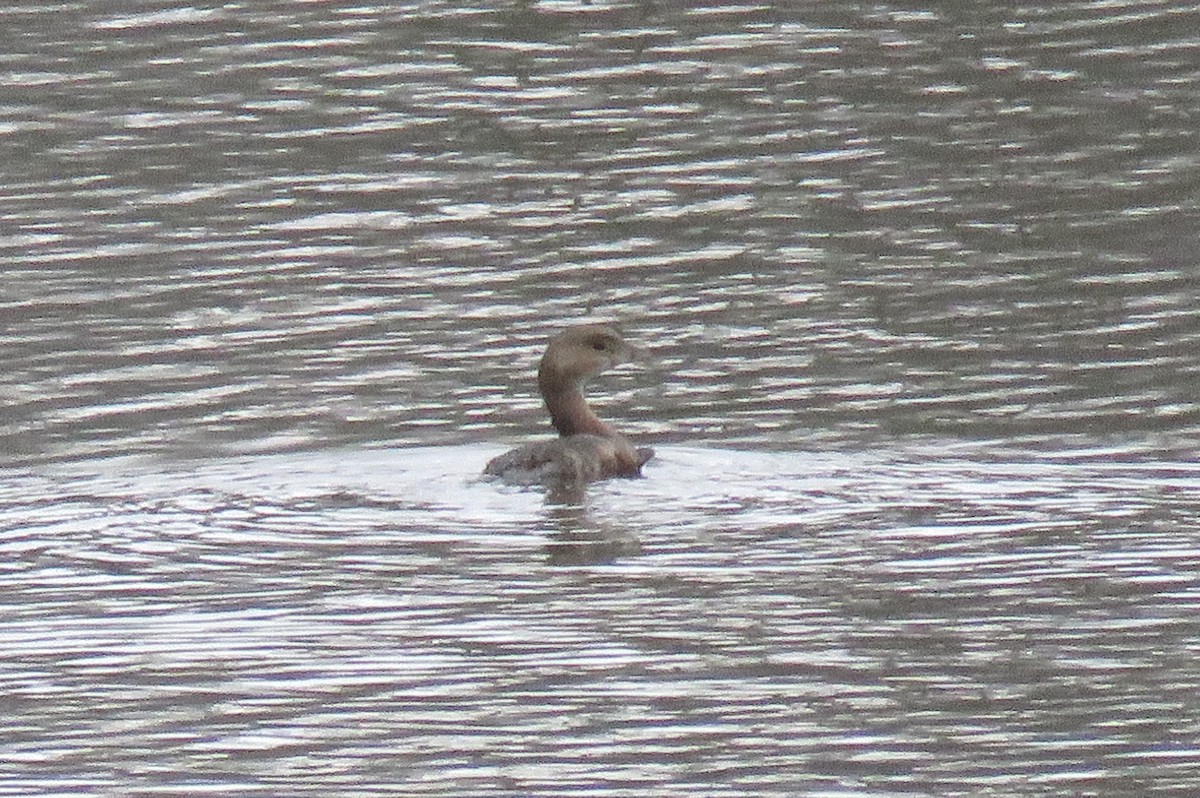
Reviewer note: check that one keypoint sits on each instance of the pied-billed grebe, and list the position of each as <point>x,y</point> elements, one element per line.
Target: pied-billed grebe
<point>587,449</point>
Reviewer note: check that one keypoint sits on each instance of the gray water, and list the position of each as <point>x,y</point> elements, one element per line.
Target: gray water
<point>919,284</point>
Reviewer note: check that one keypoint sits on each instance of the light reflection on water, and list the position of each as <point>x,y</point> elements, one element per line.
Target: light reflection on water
<point>919,285</point>
<point>838,225</point>
<point>846,623</point>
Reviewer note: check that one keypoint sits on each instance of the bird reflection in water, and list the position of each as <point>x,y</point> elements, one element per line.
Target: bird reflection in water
<point>586,449</point>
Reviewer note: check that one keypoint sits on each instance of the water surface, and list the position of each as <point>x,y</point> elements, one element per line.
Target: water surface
<point>905,621</point>
<point>920,287</point>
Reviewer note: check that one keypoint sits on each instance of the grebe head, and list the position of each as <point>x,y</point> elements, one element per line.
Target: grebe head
<point>579,353</point>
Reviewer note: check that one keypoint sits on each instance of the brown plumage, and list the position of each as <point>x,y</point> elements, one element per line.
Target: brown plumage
<point>587,449</point>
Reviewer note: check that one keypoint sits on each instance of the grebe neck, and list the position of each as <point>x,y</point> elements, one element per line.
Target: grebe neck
<point>569,411</point>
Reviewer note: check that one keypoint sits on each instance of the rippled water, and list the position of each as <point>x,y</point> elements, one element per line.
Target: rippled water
<point>895,622</point>
<point>920,285</point>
